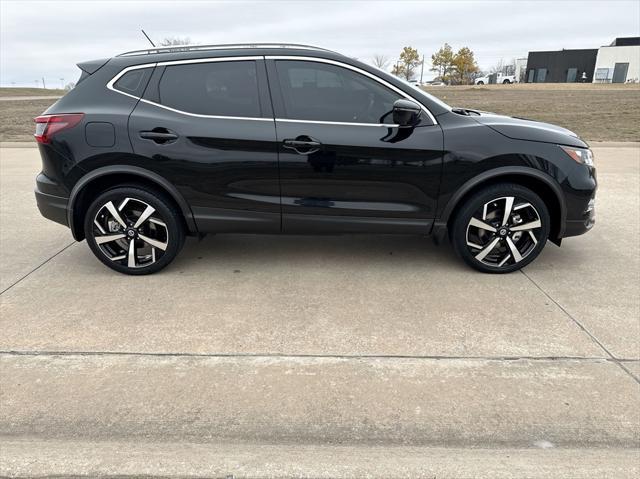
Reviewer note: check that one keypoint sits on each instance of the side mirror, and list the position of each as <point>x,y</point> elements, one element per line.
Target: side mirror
<point>406,113</point>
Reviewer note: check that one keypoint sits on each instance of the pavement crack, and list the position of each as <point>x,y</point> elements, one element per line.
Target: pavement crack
<point>36,268</point>
<point>301,356</point>
<point>583,328</point>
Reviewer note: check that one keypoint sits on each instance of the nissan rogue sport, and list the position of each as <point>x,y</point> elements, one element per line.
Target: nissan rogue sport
<point>155,145</point>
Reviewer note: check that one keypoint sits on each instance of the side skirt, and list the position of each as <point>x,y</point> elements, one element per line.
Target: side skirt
<point>331,224</point>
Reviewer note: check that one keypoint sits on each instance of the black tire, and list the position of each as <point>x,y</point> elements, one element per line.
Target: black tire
<point>506,82</point>
<point>471,238</point>
<point>163,227</point>
<point>480,83</point>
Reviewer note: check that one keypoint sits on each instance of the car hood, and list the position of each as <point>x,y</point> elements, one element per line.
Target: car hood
<point>523,129</point>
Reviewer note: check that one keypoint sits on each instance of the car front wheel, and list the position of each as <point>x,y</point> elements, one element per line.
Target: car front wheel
<point>501,229</point>
<point>134,230</point>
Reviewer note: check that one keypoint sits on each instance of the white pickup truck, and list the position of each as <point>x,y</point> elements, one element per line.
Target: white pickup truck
<point>506,79</point>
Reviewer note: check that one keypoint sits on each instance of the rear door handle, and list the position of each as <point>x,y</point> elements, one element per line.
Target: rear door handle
<point>159,136</point>
<point>303,145</point>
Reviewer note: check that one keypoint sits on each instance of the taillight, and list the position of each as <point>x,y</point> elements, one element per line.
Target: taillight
<point>49,125</point>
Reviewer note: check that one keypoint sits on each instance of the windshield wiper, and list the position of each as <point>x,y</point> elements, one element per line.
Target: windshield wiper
<point>465,111</point>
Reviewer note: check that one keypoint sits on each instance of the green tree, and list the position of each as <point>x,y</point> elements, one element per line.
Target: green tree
<point>397,70</point>
<point>442,62</point>
<point>464,64</point>
<point>409,60</point>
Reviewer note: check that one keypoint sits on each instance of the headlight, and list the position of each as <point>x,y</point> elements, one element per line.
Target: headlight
<point>581,155</point>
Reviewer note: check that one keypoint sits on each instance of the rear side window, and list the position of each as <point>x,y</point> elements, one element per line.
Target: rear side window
<point>218,88</point>
<point>324,92</point>
<point>134,81</point>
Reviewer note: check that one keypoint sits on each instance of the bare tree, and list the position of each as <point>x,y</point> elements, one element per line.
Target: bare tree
<point>171,41</point>
<point>380,61</point>
<point>498,67</point>
<point>510,67</point>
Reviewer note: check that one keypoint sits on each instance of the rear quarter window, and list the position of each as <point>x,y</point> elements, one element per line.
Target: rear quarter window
<point>227,88</point>
<point>134,81</point>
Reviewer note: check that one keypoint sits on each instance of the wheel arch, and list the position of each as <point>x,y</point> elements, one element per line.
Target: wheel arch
<point>540,183</point>
<point>101,179</point>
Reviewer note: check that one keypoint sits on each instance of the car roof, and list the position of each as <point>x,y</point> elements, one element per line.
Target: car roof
<point>252,47</point>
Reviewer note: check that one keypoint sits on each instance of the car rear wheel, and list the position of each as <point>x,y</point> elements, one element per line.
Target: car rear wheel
<point>480,83</point>
<point>506,82</point>
<point>134,230</point>
<point>501,228</point>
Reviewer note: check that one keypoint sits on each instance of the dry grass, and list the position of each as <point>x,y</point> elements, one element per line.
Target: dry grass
<point>596,112</point>
<point>8,92</point>
<point>16,118</point>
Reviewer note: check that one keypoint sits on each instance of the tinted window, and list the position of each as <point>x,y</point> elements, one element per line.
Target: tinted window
<point>541,75</point>
<point>134,82</point>
<point>324,92</point>
<point>216,88</point>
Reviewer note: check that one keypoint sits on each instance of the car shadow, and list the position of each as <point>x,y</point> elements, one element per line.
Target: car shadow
<point>300,250</point>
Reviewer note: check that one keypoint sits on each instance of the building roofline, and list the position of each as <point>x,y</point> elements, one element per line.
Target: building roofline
<point>566,50</point>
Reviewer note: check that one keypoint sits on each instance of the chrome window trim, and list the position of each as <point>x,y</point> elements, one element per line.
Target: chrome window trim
<point>200,115</point>
<point>124,71</point>
<point>211,60</point>
<point>358,70</point>
<point>184,62</point>
<point>344,123</point>
<point>111,83</point>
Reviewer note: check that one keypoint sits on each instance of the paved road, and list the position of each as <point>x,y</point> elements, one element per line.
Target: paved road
<point>267,355</point>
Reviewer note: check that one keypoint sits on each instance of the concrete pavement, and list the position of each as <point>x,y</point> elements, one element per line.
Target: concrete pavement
<point>350,342</point>
<point>105,459</point>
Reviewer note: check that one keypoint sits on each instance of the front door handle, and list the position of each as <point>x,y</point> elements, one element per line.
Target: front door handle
<point>159,135</point>
<point>303,145</point>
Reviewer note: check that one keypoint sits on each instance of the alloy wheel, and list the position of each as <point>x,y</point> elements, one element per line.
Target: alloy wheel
<point>130,232</point>
<point>503,232</point>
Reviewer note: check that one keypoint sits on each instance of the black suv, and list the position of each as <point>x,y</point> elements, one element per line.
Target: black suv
<point>154,145</point>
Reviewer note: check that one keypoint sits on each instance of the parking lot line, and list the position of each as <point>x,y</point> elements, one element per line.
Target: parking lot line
<point>584,329</point>
<point>36,268</point>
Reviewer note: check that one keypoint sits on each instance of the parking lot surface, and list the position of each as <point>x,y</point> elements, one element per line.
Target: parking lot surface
<point>262,346</point>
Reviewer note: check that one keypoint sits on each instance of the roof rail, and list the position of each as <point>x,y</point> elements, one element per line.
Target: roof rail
<point>229,46</point>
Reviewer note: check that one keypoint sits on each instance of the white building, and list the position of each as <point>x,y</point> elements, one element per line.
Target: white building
<point>618,62</point>
<point>521,69</point>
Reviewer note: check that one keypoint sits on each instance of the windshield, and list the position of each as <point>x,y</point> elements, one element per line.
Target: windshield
<point>419,90</point>
<point>422,92</point>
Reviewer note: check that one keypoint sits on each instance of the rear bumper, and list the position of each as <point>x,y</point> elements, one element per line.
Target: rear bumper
<point>52,207</point>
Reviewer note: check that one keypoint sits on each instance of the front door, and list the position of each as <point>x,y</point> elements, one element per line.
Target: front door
<point>344,166</point>
<point>207,126</point>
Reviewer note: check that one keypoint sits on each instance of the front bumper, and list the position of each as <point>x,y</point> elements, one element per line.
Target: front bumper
<point>584,224</point>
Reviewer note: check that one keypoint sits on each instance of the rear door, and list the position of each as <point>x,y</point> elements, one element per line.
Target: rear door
<point>344,166</point>
<point>207,126</point>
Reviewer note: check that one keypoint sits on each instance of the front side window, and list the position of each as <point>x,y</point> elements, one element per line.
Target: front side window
<point>323,92</point>
<point>228,88</point>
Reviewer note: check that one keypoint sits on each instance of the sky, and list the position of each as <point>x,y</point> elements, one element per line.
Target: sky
<point>47,39</point>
